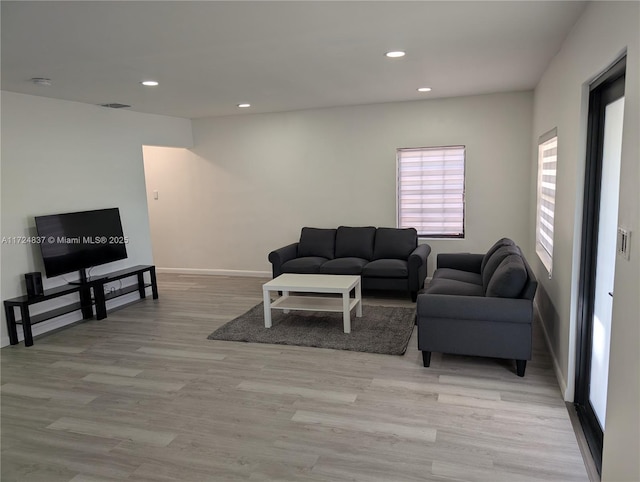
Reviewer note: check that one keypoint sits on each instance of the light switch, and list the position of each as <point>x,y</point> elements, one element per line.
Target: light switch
<point>155,195</point>
<point>622,244</point>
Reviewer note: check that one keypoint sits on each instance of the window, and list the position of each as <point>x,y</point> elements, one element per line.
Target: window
<point>546,204</point>
<point>431,190</point>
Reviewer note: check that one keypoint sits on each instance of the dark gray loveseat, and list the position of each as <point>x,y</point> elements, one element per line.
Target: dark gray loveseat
<point>385,258</point>
<point>479,304</point>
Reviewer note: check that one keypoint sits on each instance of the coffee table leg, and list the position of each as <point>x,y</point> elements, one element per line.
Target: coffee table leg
<point>285,294</point>
<point>267,308</point>
<point>346,312</point>
<point>359,299</point>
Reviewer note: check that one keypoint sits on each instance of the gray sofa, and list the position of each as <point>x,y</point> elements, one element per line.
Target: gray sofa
<point>385,258</point>
<point>480,305</point>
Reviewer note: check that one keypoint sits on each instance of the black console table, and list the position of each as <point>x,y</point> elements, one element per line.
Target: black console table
<point>85,304</point>
<point>101,297</point>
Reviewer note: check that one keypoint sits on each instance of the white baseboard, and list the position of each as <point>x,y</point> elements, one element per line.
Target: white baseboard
<point>216,272</point>
<point>562,383</point>
<point>70,318</point>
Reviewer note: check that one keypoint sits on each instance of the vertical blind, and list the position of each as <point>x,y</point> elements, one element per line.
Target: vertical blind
<point>547,167</point>
<point>431,190</point>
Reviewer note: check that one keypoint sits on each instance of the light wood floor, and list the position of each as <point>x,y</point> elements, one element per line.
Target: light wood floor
<point>143,395</point>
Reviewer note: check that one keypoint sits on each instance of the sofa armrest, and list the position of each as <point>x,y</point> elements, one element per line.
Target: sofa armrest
<point>418,256</point>
<point>417,264</point>
<point>481,308</point>
<point>462,261</point>
<point>280,256</point>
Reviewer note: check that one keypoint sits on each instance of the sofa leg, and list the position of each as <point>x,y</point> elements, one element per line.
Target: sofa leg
<point>414,296</point>
<point>521,365</point>
<point>426,358</point>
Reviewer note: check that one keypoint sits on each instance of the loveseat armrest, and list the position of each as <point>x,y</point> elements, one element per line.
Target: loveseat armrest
<point>480,308</point>
<point>417,265</point>
<point>280,256</point>
<point>418,256</point>
<point>463,261</point>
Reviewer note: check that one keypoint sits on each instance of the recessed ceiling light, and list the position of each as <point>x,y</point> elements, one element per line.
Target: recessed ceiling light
<point>424,89</point>
<point>395,54</point>
<point>244,106</point>
<point>149,83</point>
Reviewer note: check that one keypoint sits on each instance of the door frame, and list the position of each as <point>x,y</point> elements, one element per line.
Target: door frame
<point>604,90</point>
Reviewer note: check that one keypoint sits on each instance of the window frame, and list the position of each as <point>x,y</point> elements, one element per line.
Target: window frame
<point>543,253</point>
<point>462,148</point>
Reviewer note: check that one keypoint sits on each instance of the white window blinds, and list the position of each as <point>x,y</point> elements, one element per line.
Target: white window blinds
<point>546,204</point>
<point>431,190</point>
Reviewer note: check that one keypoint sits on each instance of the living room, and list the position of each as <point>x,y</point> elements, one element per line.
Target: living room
<point>231,188</point>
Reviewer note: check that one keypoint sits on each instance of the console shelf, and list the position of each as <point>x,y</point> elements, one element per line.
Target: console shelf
<point>109,295</point>
<point>86,303</point>
<point>47,315</point>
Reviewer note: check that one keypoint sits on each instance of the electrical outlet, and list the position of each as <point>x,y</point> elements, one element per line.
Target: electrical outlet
<point>623,243</point>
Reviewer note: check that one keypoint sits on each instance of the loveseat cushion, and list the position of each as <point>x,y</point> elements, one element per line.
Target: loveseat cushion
<point>392,243</point>
<point>343,266</point>
<point>317,242</point>
<point>442,286</point>
<point>355,242</point>
<point>386,268</point>
<point>306,265</point>
<point>509,278</point>
<point>498,244</point>
<point>494,261</point>
<point>458,275</point>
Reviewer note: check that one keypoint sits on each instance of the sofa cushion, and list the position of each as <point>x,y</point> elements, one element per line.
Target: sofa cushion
<point>509,278</point>
<point>500,243</point>
<point>317,242</point>
<point>392,243</point>
<point>494,261</point>
<point>458,275</point>
<point>355,242</point>
<point>386,268</point>
<point>343,266</point>
<point>306,265</point>
<point>442,286</point>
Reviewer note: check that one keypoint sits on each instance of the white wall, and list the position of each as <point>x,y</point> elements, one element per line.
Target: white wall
<point>60,156</point>
<point>601,34</point>
<point>252,181</point>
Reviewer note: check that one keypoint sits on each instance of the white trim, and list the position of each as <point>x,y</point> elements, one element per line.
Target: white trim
<point>556,366</point>
<point>216,272</point>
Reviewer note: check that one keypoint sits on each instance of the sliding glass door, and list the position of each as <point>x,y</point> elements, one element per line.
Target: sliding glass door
<point>599,234</point>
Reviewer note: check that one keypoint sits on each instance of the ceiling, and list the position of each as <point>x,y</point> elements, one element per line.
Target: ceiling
<point>278,56</point>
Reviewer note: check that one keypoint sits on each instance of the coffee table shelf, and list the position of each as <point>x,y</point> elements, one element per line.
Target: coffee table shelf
<point>311,303</point>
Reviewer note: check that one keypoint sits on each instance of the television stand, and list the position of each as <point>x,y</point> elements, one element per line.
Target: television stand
<point>85,304</point>
<point>83,278</point>
<point>100,297</point>
<point>79,282</point>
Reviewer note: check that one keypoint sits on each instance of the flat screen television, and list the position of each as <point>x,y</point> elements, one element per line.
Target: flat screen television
<point>77,241</point>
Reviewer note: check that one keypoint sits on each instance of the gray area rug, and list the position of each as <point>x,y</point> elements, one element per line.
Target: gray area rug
<point>381,329</point>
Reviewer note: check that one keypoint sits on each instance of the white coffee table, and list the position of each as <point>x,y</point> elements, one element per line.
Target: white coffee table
<point>314,283</point>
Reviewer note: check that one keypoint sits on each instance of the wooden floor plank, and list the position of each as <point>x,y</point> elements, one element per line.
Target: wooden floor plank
<point>144,396</point>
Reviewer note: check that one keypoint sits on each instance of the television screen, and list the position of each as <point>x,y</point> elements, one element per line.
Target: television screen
<point>75,241</point>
